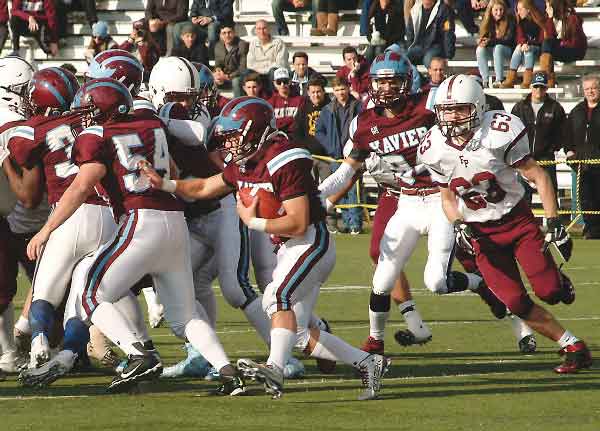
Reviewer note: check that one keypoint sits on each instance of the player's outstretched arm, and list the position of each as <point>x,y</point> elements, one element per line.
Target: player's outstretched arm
<point>292,224</point>
<point>537,175</point>
<point>82,186</point>
<point>27,185</point>
<point>341,178</point>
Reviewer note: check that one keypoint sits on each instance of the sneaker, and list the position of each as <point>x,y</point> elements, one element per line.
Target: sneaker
<point>326,366</point>
<point>577,357</point>
<point>40,351</point>
<point>332,230</point>
<point>12,362</point>
<point>156,315</point>
<point>371,345</point>
<point>23,343</point>
<point>496,306</point>
<point>146,366</point>
<point>294,369</point>
<point>231,386</point>
<point>528,344</point>
<point>372,369</point>
<point>405,337</point>
<point>49,372</point>
<point>194,365</point>
<point>568,289</point>
<point>270,375</point>
<point>355,231</point>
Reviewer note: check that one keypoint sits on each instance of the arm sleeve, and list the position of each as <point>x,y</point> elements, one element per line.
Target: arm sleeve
<point>17,11</point>
<point>410,31</point>
<point>181,13</point>
<point>337,181</point>
<point>293,179</point>
<point>517,150</point>
<point>448,32</point>
<point>150,11</point>
<point>229,175</point>
<point>88,148</point>
<point>282,56</point>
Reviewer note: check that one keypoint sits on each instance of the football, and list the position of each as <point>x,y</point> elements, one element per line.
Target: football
<point>268,205</point>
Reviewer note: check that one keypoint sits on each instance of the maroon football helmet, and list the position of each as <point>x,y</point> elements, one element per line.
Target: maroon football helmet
<point>242,128</point>
<point>101,100</point>
<point>50,89</point>
<point>120,65</point>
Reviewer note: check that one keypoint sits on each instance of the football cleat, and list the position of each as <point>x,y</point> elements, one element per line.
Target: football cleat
<point>496,306</point>
<point>23,342</point>
<point>528,344</point>
<point>12,362</point>
<point>138,368</point>
<point>49,372</point>
<point>294,369</point>
<point>372,370</point>
<point>103,354</point>
<point>577,357</point>
<point>194,365</point>
<point>568,296</point>
<point>270,375</point>
<point>371,345</point>
<point>407,338</point>
<point>326,366</point>
<point>156,315</point>
<point>40,351</point>
<point>231,386</point>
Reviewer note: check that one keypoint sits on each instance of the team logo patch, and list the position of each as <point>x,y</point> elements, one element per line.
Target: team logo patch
<point>463,161</point>
<point>374,130</point>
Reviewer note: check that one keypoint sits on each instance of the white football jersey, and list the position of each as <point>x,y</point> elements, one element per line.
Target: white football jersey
<point>482,172</point>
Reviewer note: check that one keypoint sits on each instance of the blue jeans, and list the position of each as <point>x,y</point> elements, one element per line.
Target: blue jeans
<point>364,17</point>
<point>499,53</point>
<point>351,217</point>
<point>528,58</point>
<point>417,55</point>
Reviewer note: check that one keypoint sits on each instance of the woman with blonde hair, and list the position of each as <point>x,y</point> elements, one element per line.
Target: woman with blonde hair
<point>496,40</point>
<point>529,35</point>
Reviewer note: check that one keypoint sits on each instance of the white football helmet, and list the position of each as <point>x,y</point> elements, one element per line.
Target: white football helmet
<point>15,74</point>
<point>172,77</point>
<point>456,93</point>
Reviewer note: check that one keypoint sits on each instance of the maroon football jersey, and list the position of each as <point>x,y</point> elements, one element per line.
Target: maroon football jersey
<point>285,110</point>
<point>394,141</point>
<point>282,168</point>
<point>50,140</point>
<point>120,146</point>
<point>216,108</point>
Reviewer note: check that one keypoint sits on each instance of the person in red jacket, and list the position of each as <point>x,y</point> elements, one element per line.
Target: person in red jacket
<point>355,71</point>
<point>3,22</point>
<point>36,18</point>
<point>285,105</point>
<point>564,39</point>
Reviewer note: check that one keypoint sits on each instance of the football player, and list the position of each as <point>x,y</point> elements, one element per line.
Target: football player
<point>259,156</point>
<point>475,157</point>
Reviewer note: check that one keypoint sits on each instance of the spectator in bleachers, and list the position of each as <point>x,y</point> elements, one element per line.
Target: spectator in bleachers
<point>35,18</point>
<point>3,23</point>
<point>388,27</point>
<point>496,41</point>
<point>253,86</point>
<point>279,6</point>
<point>101,41</point>
<point>191,47</point>
<point>141,41</point>
<point>545,120</point>
<point>65,6</point>
<point>284,103</point>
<point>69,67</point>
<point>308,114</point>
<point>584,135</point>
<point>231,53</point>
<point>564,39</point>
<point>265,54</point>
<point>302,73</point>
<point>430,32</point>
<point>333,128</point>
<point>437,71</point>
<point>328,16</point>
<point>356,71</point>
<point>208,16</point>
<point>529,37</point>
<point>162,15</point>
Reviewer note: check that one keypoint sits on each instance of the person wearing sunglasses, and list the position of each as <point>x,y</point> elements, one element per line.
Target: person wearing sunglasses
<point>284,102</point>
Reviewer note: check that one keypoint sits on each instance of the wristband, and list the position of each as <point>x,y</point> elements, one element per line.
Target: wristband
<point>257,223</point>
<point>168,186</point>
<point>329,206</point>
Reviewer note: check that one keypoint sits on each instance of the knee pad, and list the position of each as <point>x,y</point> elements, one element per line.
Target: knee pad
<point>435,283</point>
<point>521,308</point>
<point>303,338</point>
<point>379,303</point>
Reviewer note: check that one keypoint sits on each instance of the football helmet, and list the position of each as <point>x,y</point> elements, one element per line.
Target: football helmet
<point>173,78</point>
<point>243,127</point>
<point>120,65</point>
<point>206,85</point>
<point>459,92</point>
<point>397,71</point>
<point>50,89</point>
<point>101,100</point>
<point>15,74</point>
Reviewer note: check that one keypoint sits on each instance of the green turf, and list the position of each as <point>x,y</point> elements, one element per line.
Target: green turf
<point>470,376</point>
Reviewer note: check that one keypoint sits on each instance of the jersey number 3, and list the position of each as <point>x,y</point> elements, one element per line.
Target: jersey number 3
<point>473,199</point>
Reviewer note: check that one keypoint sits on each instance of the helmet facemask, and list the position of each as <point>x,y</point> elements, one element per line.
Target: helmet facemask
<point>387,91</point>
<point>458,125</point>
<point>189,99</point>
<point>235,146</point>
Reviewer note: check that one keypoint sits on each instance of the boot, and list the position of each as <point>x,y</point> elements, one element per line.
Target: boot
<point>321,29</point>
<point>547,65</point>
<point>527,76</point>
<point>509,82</point>
<point>332,24</point>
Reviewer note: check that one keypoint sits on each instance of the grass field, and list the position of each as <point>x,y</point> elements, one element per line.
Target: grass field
<point>470,377</point>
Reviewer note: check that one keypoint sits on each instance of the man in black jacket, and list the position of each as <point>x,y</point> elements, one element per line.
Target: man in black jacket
<point>584,143</point>
<point>230,59</point>
<point>545,120</point>
<point>162,17</point>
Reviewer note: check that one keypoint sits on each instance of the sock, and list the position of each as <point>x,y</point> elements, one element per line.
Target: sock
<point>7,336</point>
<point>77,335</point>
<point>23,325</point>
<point>567,339</point>
<point>259,319</point>
<point>474,281</point>
<point>334,348</point>
<point>150,297</point>
<point>41,317</point>
<point>98,342</point>
<point>282,342</point>
<point>413,319</point>
<point>116,327</point>
<point>379,309</point>
<point>519,327</point>
<point>205,340</point>
<point>457,282</point>
<point>130,308</point>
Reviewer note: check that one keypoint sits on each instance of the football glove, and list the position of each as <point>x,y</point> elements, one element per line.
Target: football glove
<point>464,236</point>
<point>558,235</point>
